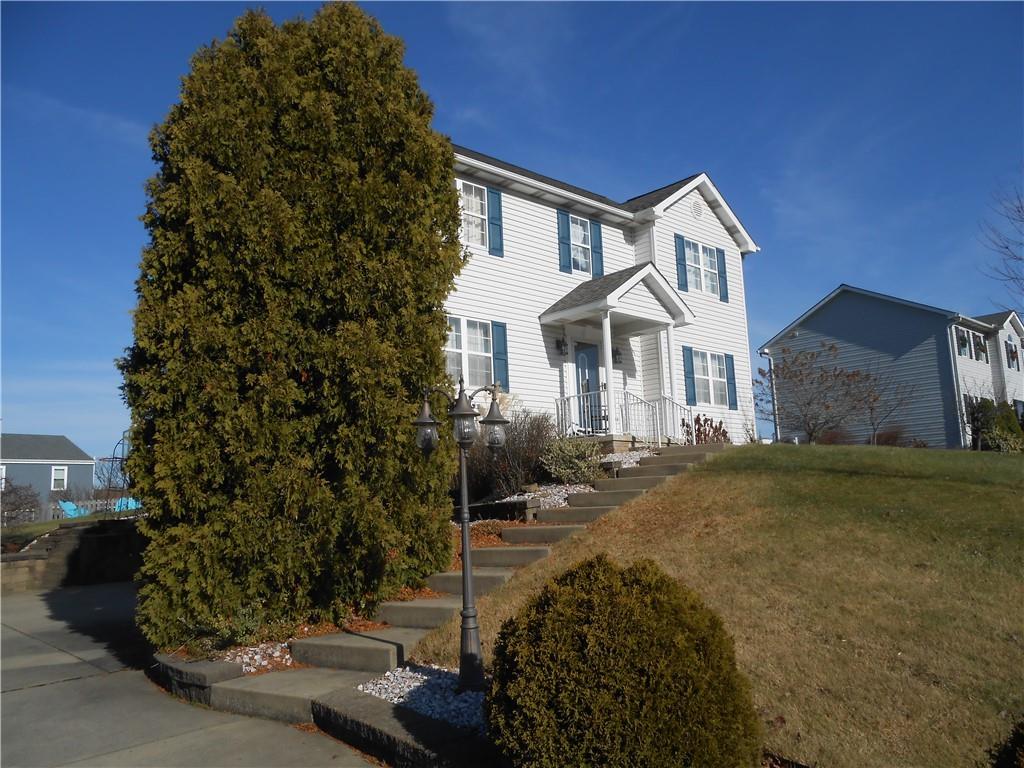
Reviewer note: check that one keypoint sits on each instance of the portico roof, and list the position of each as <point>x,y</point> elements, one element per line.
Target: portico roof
<point>639,299</point>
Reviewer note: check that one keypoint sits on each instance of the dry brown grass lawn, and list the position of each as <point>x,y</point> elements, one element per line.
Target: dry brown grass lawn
<point>876,595</point>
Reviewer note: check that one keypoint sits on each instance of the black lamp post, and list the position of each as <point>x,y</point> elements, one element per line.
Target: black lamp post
<point>464,416</point>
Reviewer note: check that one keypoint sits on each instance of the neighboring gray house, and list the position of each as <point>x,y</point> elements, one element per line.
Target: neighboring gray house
<point>946,356</point>
<point>51,464</point>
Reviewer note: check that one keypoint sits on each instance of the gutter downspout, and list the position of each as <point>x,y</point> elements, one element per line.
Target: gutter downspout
<point>775,405</point>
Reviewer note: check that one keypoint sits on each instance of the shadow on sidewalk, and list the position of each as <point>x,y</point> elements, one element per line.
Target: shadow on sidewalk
<point>105,615</point>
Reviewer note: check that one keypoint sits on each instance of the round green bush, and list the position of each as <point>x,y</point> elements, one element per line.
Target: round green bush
<point>620,667</point>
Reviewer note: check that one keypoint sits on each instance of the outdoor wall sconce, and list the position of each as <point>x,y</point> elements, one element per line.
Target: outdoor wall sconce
<point>464,416</point>
<point>617,356</point>
<point>562,346</point>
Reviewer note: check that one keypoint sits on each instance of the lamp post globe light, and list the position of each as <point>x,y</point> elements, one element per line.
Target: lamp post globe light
<point>464,416</point>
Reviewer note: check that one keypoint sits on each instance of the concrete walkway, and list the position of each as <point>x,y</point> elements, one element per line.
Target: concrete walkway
<point>74,693</point>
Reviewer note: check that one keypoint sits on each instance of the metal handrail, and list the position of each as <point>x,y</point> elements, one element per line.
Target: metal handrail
<point>640,418</point>
<point>675,414</point>
<point>582,414</point>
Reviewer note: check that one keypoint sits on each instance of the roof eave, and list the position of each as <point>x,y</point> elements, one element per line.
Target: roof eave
<point>617,215</point>
<point>719,206</point>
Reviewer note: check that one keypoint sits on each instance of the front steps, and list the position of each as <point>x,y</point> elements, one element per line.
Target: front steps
<point>325,691</point>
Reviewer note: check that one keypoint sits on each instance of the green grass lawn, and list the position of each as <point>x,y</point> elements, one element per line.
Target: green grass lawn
<point>876,595</point>
<point>14,537</point>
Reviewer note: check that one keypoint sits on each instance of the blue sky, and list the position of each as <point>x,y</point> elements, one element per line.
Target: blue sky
<point>859,143</point>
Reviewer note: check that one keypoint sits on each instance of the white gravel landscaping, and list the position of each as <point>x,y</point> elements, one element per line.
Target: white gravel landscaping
<point>431,691</point>
<point>553,495</point>
<point>260,656</point>
<point>629,458</point>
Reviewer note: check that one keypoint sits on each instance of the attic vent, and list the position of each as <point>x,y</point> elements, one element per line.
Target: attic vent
<point>698,209</point>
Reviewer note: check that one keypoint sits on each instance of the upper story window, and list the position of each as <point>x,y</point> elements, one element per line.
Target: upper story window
<point>1012,355</point>
<point>468,351</point>
<point>963,343</point>
<point>579,232</point>
<point>710,380</point>
<point>701,267</point>
<point>474,213</point>
<point>980,348</point>
<point>58,478</point>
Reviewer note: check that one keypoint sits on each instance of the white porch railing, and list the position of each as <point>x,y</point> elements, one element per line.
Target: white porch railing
<point>639,418</point>
<point>587,414</point>
<point>674,415</point>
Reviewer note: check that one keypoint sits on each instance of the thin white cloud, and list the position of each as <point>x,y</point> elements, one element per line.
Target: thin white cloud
<point>43,108</point>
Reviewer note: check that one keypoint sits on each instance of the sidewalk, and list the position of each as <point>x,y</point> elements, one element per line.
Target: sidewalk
<point>74,693</point>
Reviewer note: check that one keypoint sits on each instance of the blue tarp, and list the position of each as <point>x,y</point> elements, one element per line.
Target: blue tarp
<point>71,510</point>
<point>126,504</point>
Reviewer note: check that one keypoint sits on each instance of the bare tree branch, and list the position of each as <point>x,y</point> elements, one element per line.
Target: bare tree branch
<point>1005,238</point>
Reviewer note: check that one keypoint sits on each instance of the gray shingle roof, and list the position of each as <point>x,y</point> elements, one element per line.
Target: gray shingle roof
<point>593,290</point>
<point>634,204</point>
<point>996,318</point>
<point>40,448</point>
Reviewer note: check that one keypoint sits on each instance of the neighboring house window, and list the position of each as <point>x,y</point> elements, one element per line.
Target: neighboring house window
<point>701,267</point>
<point>710,378</point>
<point>468,352</point>
<point>963,343</point>
<point>474,213</point>
<point>1012,355</point>
<point>980,348</point>
<point>579,231</point>
<point>58,478</point>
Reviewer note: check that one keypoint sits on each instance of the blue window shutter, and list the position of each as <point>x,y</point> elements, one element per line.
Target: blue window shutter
<point>596,250</point>
<point>564,251</point>
<point>495,242</point>
<point>730,381</point>
<point>723,281</point>
<point>691,385</point>
<point>499,348</point>
<point>681,265</point>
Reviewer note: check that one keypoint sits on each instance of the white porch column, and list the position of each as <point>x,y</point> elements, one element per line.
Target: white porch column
<point>609,373</point>
<point>670,338</point>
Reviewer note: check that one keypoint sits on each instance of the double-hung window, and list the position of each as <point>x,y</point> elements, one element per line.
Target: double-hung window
<point>468,351</point>
<point>701,267</point>
<point>980,348</point>
<point>474,213</point>
<point>709,377</point>
<point>58,478</point>
<point>579,232</point>
<point>963,343</point>
<point>1012,355</point>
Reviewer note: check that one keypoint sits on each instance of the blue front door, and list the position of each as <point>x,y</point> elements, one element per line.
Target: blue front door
<point>588,387</point>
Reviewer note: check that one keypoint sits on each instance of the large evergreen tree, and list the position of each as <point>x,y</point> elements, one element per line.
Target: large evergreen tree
<point>303,232</point>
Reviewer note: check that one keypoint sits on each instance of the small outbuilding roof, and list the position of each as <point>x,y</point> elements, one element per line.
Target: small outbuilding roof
<point>40,448</point>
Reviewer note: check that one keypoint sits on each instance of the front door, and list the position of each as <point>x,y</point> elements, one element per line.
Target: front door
<point>588,387</point>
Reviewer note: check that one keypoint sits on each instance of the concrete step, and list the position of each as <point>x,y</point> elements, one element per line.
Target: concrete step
<point>689,450</point>
<point>375,651</point>
<point>539,534</point>
<point>286,696</point>
<point>661,461</point>
<point>628,483</point>
<point>602,498</point>
<point>424,613</point>
<point>484,579</point>
<point>572,514</point>
<point>507,557</point>
<point>661,470</point>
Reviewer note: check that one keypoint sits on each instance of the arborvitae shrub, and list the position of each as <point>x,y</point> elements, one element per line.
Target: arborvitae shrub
<point>619,667</point>
<point>303,236</point>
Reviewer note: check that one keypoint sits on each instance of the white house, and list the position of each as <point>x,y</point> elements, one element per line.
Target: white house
<point>946,357</point>
<point>618,318</point>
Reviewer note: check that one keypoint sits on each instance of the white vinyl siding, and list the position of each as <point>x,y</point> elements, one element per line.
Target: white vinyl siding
<point>473,198</point>
<point>524,284</point>
<point>720,326</point>
<point>3,477</point>
<point>58,478</point>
